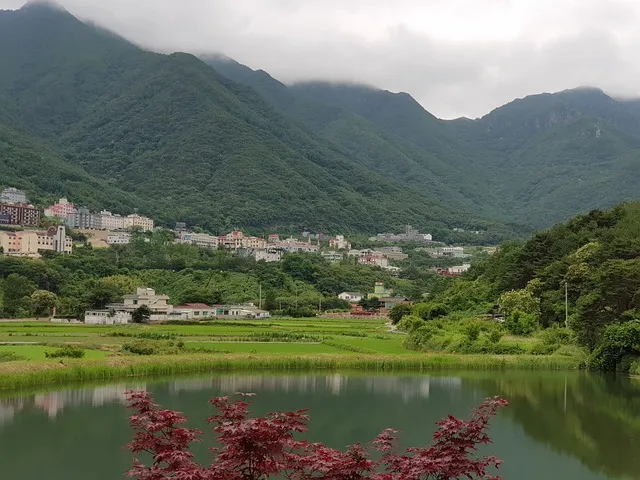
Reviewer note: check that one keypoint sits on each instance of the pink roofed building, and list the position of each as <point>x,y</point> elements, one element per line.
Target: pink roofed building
<point>62,209</point>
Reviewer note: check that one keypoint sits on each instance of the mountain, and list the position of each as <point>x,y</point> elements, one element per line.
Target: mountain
<point>168,134</point>
<point>536,160</point>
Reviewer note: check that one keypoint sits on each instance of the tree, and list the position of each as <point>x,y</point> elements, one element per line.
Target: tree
<point>398,311</point>
<point>142,314</point>
<point>44,302</point>
<point>16,292</point>
<point>262,448</point>
<point>370,304</point>
<point>519,300</point>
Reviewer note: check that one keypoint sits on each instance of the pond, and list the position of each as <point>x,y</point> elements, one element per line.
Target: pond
<point>558,425</point>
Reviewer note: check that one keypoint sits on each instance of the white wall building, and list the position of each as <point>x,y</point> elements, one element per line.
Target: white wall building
<point>353,297</point>
<point>459,268</point>
<point>268,255</point>
<point>13,195</point>
<point>122,238</point>
<point>108,221</point>
<point>106,317</point>
<point>200,239</point>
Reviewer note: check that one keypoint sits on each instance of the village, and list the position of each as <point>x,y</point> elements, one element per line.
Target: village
<point>105,229</point>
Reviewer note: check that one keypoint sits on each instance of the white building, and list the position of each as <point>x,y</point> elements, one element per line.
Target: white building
<point>145,296</point>
<point>353,297</point>
<point>339,243</point>
<point>106,317</point>
<point>268,255</point>
<point>459,268</point>
<point>122,238</point>
<point>241,311</point>
<point>196,311</point>
<point>332,256</point>
<point>200,239</point>
<point>13,195</point>
<point>108,221</point>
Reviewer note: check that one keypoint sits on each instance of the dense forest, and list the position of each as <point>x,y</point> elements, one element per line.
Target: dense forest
<point>534,161</point>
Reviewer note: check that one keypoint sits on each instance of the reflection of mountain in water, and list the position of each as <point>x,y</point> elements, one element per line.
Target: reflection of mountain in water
<point>408,388</point>
<point>54,402</point>
<point>594,418</point>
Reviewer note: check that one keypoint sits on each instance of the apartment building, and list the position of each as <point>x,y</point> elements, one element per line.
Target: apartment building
<point>62,209</point>
<point>13,195</point>
<point>21,213</point>
<point>137,221</point>
<point>108,221</point>
<point>200,239</point>
<point>82,218</point>
<point>339,243</point>
<point>122,238</point>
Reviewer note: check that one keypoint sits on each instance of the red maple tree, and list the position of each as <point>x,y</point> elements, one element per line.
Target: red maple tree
<point>259,448</point>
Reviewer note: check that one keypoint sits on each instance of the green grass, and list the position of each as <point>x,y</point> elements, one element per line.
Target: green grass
<point>286,344</point>
<point>271,347</point>
<point>36,352</point>
<point>30,373</point>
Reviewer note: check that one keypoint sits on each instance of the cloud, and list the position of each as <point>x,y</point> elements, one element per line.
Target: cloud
<point>456,57</point>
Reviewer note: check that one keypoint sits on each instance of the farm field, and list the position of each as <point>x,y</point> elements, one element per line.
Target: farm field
<point>109,352</point>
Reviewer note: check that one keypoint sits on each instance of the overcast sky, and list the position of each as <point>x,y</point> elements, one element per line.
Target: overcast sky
<point>456,57</point>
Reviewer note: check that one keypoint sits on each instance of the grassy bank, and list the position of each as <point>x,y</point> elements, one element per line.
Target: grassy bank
<point>29,373</point>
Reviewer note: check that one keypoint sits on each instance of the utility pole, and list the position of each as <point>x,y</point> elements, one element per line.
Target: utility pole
<point>320,305</point>
<point>566,304</point>
<point>260,296</point>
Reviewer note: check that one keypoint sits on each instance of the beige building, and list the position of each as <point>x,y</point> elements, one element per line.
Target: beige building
<point>145,296</point>
<point>200,239</point>
<point>138,221</point>
<point>30,243</point>
<point>108,221</point>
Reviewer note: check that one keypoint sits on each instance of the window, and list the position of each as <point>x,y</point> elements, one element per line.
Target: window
<point>135,302</point>
<point>196,313</point>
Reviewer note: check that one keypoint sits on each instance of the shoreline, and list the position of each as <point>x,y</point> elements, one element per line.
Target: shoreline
<point>29,373</point>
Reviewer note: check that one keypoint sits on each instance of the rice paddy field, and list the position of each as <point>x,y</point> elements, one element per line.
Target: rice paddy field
<point>276,344</point>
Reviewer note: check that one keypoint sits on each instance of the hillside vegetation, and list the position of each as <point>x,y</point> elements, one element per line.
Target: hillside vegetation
<point>167,134</point>
<point>595,255</point>
<point>534,161</point>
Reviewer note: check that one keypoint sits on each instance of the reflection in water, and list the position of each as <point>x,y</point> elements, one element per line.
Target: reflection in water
<point>55,402</point>
<point>335,383</point>
<point>558,426</point>
<point>595,418</point>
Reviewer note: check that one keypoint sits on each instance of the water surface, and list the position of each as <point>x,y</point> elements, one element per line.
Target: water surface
<point>566,426</point>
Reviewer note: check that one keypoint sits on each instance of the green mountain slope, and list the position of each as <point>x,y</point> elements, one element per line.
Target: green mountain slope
<point>384,132</point>
<point>535,161</point>
<point>187,144</point>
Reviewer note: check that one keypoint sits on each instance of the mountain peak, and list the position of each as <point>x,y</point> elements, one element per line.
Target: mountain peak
<point>44,4</point>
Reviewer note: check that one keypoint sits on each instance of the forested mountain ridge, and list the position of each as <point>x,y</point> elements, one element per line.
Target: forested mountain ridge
<point>537,160</point>
<point>168,134</point>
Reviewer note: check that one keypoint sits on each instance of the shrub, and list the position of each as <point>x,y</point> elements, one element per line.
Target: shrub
<point>252,448</point>
<point>620,345</point>
<point>557,336</point>
<point>429,311</point>
<point>410,323</point>
<point>519,323</point>
<point>472,330</point>
<point>544,349</point>
<point>398,311</point>
<point>503,348</point>
<point>10,357</point>
<point>68,351</point>
<point>418,339</point>
<point>153,347</point>
<point>494,335</point>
